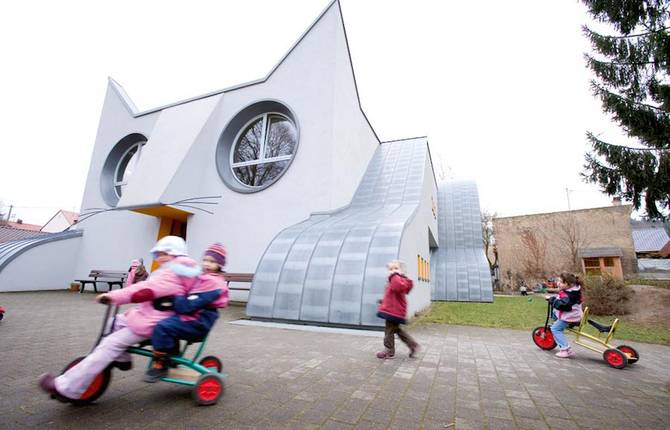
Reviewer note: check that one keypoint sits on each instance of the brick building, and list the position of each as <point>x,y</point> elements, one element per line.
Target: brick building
<point>594,241</point>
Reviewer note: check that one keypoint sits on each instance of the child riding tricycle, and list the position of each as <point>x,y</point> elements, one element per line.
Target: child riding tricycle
<point>179,283</point>
<point>566,310</point>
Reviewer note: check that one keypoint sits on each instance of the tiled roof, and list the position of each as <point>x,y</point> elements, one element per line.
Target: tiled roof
<point>8,233</point>
<point>21,225</point>
<point>650,239</point>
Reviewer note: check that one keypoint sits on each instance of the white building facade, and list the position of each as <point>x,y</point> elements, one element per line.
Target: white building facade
<point>285,171</point>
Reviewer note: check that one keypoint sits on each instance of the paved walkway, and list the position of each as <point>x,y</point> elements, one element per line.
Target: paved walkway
<point>465,378</point>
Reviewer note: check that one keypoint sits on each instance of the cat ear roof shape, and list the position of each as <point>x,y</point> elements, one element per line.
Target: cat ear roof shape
<point>123,96</point>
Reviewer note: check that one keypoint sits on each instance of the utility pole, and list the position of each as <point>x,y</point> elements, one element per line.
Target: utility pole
<point>9,214</point>
<point>567,193</point>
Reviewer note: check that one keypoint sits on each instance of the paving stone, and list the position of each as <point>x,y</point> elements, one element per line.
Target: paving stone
<point>469,376</point>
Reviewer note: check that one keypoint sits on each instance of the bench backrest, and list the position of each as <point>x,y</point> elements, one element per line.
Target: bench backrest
<point>239,277</point>
<point>108,274</point>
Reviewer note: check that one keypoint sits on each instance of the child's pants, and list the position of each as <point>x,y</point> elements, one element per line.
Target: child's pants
<point>557,329</point>
<point>75,381</point>
<point>167,332</point>
<point>390,331</point>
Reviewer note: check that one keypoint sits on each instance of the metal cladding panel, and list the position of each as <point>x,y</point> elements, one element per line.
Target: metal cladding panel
<point>331,267</point>
<point>461,269</point>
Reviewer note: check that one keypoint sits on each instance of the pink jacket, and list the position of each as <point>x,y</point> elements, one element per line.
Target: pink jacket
<point>576,313</point>
<point>209,282</point>
<point>173,279</point>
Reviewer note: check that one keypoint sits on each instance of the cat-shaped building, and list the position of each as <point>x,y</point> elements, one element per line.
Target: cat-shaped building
<point>285,171</point>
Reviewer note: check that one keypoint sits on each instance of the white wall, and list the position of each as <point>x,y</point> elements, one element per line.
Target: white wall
<point>45,267</point>
<point>415,241</point>
<point>56,224</point>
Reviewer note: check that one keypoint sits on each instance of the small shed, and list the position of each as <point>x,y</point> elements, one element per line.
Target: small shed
<point>600,261</point>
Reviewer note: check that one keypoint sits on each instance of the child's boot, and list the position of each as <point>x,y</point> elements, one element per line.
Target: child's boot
<point>565,353</point>
<point>385,355</point>
<point>159,368</point>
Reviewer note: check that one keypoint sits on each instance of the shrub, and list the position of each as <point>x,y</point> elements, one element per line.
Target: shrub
<point>607,296</point>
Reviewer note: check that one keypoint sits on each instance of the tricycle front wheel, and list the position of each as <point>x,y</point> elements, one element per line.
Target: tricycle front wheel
<point>544,338</point>
<point>97,387</point>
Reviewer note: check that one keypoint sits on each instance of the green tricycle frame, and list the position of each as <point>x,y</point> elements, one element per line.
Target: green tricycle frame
<point>616,356</point>
<point>208,388</point>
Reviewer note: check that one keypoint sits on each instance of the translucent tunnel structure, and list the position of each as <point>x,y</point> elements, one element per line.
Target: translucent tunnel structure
<point>331,267</point>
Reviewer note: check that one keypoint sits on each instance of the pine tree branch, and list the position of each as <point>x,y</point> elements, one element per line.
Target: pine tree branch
<point>600,89</point>
<point>627,36</point>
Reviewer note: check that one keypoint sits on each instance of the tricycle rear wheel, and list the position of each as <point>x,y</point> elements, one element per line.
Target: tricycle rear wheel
<point>544,338</point>
<point>211,362</point>
<point>208,390</point>
<point>631,352</point>
<point>615,358</point>
<point>96,389</point>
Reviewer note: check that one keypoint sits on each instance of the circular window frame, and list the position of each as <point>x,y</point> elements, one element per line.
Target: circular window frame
<point>232,132</point>
<point>110,168</point>
<point>139,144</point>
<point>262,160</point>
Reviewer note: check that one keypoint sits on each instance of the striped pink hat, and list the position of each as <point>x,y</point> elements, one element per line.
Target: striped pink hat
<point>218,253</point>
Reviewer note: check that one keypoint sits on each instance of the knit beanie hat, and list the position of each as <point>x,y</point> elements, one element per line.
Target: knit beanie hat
<point>218,253</point>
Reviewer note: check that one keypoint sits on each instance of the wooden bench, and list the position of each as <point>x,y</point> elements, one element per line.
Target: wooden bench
<point>109,277</point>
<point>239,277</point>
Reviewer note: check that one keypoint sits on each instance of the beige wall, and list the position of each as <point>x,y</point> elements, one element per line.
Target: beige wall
<point>592,228</point>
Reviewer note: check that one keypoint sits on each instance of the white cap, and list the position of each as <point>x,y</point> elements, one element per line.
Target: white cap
<point>171,245</point>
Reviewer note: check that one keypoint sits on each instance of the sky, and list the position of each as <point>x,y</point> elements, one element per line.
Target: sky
<point>500,88</point>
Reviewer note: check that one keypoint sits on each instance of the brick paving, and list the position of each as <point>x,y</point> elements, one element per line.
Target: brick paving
<point>464,378</point>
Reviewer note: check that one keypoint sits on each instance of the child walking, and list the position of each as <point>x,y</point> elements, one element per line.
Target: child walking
<point>393,309</point>
<point>567,309</point>
<point>176,275</point>
<point>197,312</point>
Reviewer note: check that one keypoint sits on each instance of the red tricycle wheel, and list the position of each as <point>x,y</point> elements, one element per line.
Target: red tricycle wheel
<point>630,352</point>
<point>544,338</point>
<point>97,387</point>
<point>208,390</point>
<point>615,358</point>
<point>211,362</point>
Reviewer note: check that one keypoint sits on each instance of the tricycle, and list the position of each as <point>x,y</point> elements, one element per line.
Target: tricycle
<point>616,356</point>
<point>203,375</point>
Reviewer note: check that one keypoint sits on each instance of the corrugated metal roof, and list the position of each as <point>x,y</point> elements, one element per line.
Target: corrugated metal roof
<point>650,239</point>
<point>12,249</point>
<point>462,272</point>
<point>600,252</point>
<point>9,233</point>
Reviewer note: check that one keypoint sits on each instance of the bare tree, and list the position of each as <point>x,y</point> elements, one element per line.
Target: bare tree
<point>489,240</point>
<point>572,237</point>
<point>535,251</point>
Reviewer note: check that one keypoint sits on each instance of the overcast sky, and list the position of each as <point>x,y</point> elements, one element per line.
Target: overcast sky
<point>499,88</point>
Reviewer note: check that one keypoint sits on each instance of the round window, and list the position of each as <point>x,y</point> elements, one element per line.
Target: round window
<point>126,167</point>
<point>257,146</point>
<point>263,149</point>
<point>119,166</point>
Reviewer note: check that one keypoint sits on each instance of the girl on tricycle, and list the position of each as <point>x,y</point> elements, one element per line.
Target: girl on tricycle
<point>86,378</point>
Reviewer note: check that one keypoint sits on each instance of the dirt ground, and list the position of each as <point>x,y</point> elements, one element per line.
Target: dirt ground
<point>650,305</point>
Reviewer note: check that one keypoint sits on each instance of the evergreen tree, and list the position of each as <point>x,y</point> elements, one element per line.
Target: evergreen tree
<point>631,66</point>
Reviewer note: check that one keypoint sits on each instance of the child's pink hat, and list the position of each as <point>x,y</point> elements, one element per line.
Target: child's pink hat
<point>218,253</point>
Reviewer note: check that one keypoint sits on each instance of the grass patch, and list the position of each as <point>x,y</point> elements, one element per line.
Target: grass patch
<point>526,313</point>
